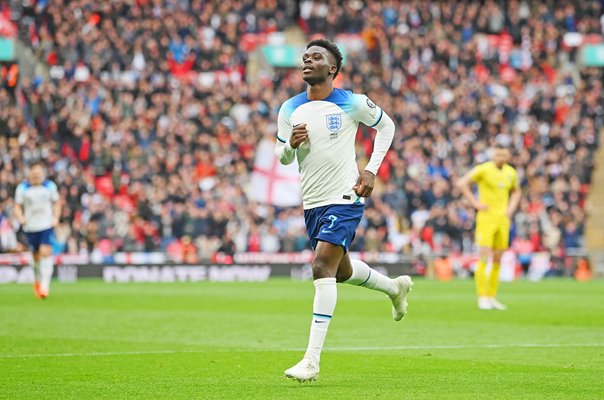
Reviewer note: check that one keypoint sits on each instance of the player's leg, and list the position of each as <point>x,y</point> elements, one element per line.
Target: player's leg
<point>493,283</point>
<point>358,273</point>
<point>494,276</point>
<point>501,243</point>
<point>33,238</point>
<point>35,264</point>
<point>480,277</point>
<point>46,269</point>
<point>325,265</point>
<point>485,236</point>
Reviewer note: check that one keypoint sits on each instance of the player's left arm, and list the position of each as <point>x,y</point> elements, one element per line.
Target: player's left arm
<point>373,116</point>
<point>56,199</point>
<point>515,195</point>
<point>56,213</point>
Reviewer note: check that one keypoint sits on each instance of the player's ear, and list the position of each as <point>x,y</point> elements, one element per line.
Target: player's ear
<point>332,69</point>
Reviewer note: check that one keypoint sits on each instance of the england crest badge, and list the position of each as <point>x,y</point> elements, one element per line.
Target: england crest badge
<point>334,122</point>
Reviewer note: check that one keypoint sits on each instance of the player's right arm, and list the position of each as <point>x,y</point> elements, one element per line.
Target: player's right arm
<point>288,138</point>
<point>19,193</point>
<point>464,184</point>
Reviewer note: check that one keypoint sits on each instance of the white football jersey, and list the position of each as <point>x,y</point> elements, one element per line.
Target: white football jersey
<point>37,202</point>
<point>327,160</point>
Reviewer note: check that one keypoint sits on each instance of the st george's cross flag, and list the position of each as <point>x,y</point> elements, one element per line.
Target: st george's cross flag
<point>271,182</point>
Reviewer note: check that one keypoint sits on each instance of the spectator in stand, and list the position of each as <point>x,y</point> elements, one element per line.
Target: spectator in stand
<point>146,116</point>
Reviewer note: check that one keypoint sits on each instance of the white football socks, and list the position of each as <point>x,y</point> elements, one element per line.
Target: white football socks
<point>36,266</point>
<point>326,296</point>
<point>46,269</point>
<point>364,275</point>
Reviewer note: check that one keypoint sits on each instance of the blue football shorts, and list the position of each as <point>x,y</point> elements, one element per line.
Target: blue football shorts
<point>334,224</point>
<point>37,239</point>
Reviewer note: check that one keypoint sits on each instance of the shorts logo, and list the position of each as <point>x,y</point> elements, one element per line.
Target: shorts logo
<point>370,103</point>
<point>333,220</point>
<point>334,122</point>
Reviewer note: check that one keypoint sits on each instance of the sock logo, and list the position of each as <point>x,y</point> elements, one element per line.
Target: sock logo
<point>321,318</point>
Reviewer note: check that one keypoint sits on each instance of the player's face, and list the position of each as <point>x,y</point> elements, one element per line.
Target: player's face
<point>501,157</point>
<point>317,65</point>
<point>36,175</point>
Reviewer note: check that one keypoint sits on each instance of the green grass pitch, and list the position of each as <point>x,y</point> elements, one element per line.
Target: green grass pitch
<point>92,340</point>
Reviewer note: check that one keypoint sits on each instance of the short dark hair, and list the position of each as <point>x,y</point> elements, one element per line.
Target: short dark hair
<point>330,47</point>
<point>37,163</point>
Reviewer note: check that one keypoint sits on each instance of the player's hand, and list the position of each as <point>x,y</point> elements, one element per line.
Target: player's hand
<point>364,185</point>
<point>480,207</point>
<point>55,222</point>
<point>299,135</point>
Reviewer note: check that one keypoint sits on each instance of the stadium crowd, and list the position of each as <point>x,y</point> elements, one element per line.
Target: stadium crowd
<point>147,159</point>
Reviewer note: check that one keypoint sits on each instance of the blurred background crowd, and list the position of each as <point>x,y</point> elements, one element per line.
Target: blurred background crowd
<point>149,160</point>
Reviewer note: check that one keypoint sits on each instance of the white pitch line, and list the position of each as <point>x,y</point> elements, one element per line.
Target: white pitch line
<point>335,349</point>
<point>92,354</point>
<point>465,346</point>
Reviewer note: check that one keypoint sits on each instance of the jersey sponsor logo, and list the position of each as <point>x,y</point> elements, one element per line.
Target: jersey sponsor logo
<point>334,122</point>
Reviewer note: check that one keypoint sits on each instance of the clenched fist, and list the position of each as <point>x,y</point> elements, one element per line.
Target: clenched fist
<point>364,185</point>
<point>299,135</point>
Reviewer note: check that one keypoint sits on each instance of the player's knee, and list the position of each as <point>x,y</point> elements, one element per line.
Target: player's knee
<point>484,253</point>
<point>497,256</point>
<point>321,269</point>
<point>45,251</point>
<point>342,276</point>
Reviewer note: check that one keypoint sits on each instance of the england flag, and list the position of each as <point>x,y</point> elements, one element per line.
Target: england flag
<point>272,182</point>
